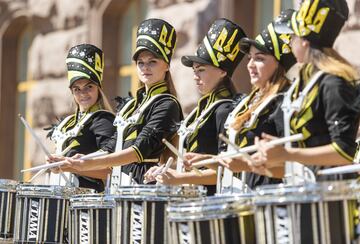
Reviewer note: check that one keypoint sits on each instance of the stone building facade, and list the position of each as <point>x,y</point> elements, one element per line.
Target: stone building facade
<point>36,34</point>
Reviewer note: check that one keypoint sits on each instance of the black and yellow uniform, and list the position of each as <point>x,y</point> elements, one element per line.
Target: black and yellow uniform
<point>269,42</point>
<point>95,134</point>
<point>205,138</point>
<point>327,115</point>
<point>89,131</point>
<point>264,123</point>
<point>220,48</point>
<point>159,120</point>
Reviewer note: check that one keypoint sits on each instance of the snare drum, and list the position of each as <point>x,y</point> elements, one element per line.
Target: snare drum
<point>7,208</point>
<point>319,213</point>
<point>222,219</point>
<point>141,211</point>
<point>91,219</point>
<point>42,212</point>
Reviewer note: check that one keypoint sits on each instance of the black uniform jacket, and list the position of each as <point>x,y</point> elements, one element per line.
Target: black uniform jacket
<point>205,138</point>
<point>265,122</point>
<point>160,120</point>
<point>327,116</point>
<point>94,136</point>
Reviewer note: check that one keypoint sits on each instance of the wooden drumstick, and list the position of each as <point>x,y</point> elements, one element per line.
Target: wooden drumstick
<point>61,163</point>
<point>243,154</point>
<point>178,154</point>
<point>353,168</point>
<point>36,138</point>
<point>162,169</point>
<point>249,149</point>
<point>155,173</point>
<point>167,165</point>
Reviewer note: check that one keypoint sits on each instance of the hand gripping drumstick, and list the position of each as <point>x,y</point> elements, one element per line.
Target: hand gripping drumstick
<point>61,163</point>
<point>252,148</point>
<point>244,154</point>
<point>178,154</point>
<point>162,169</point>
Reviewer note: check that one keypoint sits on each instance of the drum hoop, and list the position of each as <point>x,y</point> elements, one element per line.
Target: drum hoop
<point>49,191</point>
<point>315,192</point>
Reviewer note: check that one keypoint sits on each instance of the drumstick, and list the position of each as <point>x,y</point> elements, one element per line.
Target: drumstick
<point>252,148</point>
<point>63,162</point>
<point>37,174</point>
<point>36,138</point>
<point>245,155</point>
<point>167,165</point>
<point>353,168</point>
<point>236,147</point>
<point>155,173</point>
<point>178,154</point>
<point>162,169</point>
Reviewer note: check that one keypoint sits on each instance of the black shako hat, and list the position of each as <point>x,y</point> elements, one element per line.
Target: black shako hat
<point>220,47</point>
<point>268,41</point>
<point>318,21</point>
<point>85,61</point>
<point>156,36</point>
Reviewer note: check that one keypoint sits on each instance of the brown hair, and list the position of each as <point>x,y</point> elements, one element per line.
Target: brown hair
<point>228,84</point>
<point>330,61</point>
<point>277,82</point>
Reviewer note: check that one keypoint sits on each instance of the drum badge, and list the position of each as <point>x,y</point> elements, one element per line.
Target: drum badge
<point>185,233</point>
<point>34,220</point>
<point>282,226</point>
<point>137,219</point>
<point>84,227</point>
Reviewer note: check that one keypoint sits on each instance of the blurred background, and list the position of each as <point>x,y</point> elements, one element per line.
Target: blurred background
<point>35,36</point>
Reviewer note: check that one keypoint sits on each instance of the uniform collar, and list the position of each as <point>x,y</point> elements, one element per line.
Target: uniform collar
<point>92,109</point>
<point>142,96</point>
<point>217,94</point>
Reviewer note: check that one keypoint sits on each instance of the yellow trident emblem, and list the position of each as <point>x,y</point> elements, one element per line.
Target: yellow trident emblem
<point>224,51</point>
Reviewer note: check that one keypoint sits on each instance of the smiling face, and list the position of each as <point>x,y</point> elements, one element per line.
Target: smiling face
<point>150,69</point>
<point>85,93</point>
<point>261,67</point>
<point>207,77</point>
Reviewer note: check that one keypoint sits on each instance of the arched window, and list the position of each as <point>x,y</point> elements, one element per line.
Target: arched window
<point>24,84</point>
<point>120,21</point>
<point>128,26</point>
<point>12,102</point>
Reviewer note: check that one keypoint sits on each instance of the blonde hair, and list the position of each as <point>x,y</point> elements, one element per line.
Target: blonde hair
<point>277,82</point>
<point>330,61</point>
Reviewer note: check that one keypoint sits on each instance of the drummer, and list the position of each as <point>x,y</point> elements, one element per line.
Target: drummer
<point>327,118</point>
<point>85,65</point>
<point>213,65</point>
<point>269,58</point>
<point>142,140</point>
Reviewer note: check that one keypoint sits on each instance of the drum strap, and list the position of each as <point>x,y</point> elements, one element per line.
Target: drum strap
<point>117,177</point>
<point>296,173</point>
<point>60,137</point>
<point>228,181</point>
<point>187,129</point>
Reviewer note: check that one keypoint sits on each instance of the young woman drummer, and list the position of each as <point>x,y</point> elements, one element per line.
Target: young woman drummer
<point>269,59</point>
<point>93,115</point>
<point>326,117</point>
<point>158,109</point>
<point>215,61</point>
